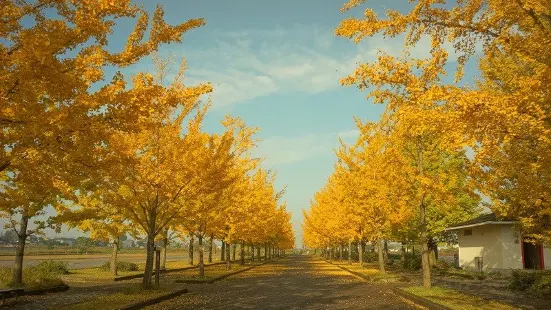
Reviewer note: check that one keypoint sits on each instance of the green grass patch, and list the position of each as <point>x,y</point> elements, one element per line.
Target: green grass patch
<point>95,274</point>
<point>456,300</point>
<point>33,278</point>
<point>119,299</point>
<point>121,266</point>
<point>177,264</point>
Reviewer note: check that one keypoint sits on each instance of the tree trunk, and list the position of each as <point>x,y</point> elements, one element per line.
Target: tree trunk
<point>201,256</point>
<point>258,252</point>
<point>403,258</point>
<point>114,258</point>
<point>433,251</point>
<point>242,253</point>
<point>234,249</point>
<point>223,252</point>
<point>17,276</point>
<point>380,250</point>
<point>361,250</point>
<point>211,245</point>
<point>150,257</point>
<point>425,250</point>
<point>228,261</point>
<point>350,252</point>
<point>340,252</point>
<point>423,222</point>
<point>252,253</point>
<point>165,248</point>
<point>191,241</point>
<point>385,251</point>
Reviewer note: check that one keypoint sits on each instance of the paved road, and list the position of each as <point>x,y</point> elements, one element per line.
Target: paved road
<point>290,283</point>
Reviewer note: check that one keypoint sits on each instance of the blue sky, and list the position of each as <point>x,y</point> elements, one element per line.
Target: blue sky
<point>277,65</point>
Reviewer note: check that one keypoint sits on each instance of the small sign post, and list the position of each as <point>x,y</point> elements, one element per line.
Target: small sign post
<point>157,266</point>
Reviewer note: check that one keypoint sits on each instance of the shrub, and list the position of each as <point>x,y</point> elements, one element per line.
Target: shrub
<point>371,257</point>
<point>53,267</point>
<point>521,280</point>
<point>121,266</point>
<point>412,262</point>
<point>542,286</point>
<point>442,264</point>
<point>33,278</point>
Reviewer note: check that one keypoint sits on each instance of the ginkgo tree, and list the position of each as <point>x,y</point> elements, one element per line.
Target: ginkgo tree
<point>54,120</point>
<point>24,203</point>
<point>504,113</point>
<point>203,214</point>
<point>95,213</point>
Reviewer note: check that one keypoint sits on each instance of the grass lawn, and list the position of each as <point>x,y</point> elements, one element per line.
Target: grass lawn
<point>95,274</point>
<point>456,300</point>
<point>119,299</point>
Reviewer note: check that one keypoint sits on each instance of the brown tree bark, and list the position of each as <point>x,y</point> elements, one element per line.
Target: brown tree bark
<point>258,252</point>
<point>234,249</point>
<point>211,245</point>
<point>17,276</point>
<point>150,257</point>
<point>164,250</point>
<point>380,250</point>
<point>223,251</point>
<point>361,249</point>
<point>201,256</point>
<point>228,261</point>
<point>350,252</point>
<point>427,283</point>
<point>191,250</point>
<point>114,256</point>
<point>433,251</point>
<point>242,253</point>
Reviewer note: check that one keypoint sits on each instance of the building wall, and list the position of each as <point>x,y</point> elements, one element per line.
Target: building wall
<point>512,248</point>
<point>547,257</point>
<point>498,246</point>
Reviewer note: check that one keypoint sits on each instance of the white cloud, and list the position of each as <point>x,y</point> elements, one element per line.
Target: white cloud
<point>249,64</point>
<point>349,134</point>
<point>280,150</point>
<point>255,63</point>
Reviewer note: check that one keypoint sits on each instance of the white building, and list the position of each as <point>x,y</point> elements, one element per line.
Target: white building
<point>487,243</point>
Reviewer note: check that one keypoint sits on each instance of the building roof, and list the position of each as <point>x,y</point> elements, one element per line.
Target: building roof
<point>485,219</point>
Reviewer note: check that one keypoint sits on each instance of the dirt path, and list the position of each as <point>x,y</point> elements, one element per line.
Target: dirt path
<point>290,283</point>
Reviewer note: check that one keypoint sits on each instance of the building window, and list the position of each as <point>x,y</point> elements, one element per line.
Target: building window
<point>467,232</point>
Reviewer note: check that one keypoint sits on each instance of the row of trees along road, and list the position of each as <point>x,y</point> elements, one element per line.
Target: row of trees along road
<point>117,155</point>
<point>438,145</point>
